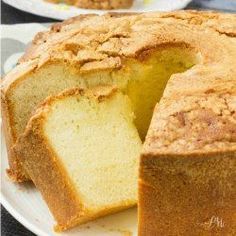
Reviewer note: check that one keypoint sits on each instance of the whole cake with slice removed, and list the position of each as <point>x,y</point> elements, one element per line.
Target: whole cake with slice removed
<point>183,64</point>
<point>81,149</point>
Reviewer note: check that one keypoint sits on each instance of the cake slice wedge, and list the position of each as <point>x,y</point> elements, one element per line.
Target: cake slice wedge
<point>81,150</point>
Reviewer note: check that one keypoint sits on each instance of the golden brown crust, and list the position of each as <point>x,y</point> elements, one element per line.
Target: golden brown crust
<point>98,4</point>
<point>200,123</point>
<point>187,195</point>
<point>15,172</point>
<point>95,32</point>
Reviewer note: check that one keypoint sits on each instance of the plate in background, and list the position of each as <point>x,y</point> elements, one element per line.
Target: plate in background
<point>62,11</point>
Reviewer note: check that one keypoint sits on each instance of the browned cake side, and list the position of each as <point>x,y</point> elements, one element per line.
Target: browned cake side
<point>188,166</point>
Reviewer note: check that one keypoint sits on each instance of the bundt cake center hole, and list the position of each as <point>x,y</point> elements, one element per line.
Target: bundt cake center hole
<point>148,79</point>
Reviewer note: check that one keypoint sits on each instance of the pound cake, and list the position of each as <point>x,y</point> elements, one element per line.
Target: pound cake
<point>97,4</point>
<point>184,64</point>
<point>188,165</point>
<point>81,149</point>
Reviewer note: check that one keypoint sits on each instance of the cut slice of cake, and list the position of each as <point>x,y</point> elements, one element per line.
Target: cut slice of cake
<point>81,150</point>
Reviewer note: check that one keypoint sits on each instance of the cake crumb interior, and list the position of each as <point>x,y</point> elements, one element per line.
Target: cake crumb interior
<point>99,142</point>
<point>142,80</point>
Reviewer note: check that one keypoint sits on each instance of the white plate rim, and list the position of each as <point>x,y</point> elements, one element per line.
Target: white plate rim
<point>55,14</point>
<point>13,211</point>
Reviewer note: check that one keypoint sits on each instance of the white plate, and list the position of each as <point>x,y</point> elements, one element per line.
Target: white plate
<point>24,202</point>
<point>61,11</point>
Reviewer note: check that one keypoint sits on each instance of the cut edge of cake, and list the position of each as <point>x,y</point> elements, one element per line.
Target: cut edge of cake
<point>49,170</point>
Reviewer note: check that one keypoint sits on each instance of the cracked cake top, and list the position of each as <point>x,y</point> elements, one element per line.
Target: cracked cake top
<point>197,110</point>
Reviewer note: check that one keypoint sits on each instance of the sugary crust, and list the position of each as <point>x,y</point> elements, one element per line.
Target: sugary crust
<point>48,173</point>
<point>200,123</point>
<point>98,4</point>
<point>91,34</point>
<point>92,43</point>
